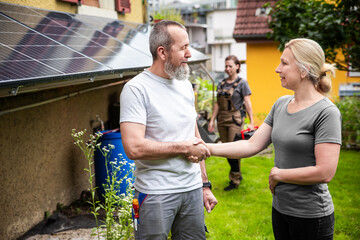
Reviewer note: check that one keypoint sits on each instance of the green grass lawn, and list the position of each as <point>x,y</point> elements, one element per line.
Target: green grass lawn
<point>245,213</point>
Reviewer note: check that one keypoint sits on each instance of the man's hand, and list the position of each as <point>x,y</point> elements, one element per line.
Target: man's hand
<point>209,199</point>
<point>197,152</point>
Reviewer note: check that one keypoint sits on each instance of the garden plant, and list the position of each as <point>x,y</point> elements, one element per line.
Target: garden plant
<point>350,112</point>
<point>118,216</point>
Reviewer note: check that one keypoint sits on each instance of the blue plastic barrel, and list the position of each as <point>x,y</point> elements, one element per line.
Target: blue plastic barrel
<point>113,138</point>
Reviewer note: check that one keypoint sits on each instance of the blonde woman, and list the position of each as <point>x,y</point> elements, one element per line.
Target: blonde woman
<point>305,129</point>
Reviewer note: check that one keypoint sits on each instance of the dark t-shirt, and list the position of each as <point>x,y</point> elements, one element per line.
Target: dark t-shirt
<point>294,136</point>
<point>241,90</point>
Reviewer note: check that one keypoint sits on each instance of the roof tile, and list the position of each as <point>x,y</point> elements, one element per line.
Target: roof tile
<point>249,25</point>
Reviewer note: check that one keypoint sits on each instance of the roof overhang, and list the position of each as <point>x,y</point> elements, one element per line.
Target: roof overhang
<point>251,38</point>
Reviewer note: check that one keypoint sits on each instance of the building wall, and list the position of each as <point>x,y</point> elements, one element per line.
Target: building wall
<point>137,14</point>
<point>219,35</point>
<point>197,35</point>
<point>39,162</point>
<point>90,7</point>
<point>40,165</point>
<point>49,4</point>
<point>262,60</point>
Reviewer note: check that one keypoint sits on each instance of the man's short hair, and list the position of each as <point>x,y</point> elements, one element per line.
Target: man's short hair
<point>160,36</point>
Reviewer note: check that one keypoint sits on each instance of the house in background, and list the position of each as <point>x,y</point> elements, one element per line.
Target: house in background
<point>60,70</point>
<point>262,56</point>
<point>220,27</point>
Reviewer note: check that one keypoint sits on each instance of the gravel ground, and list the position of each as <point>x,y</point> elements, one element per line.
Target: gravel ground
<point>78,234</point>
<point>73,222</point>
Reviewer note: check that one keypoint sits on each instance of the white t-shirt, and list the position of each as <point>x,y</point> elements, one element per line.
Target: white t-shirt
<point>166,107</point>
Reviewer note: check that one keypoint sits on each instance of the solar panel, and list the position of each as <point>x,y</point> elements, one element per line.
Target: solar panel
<point>25,55</point>
<point>110,47</point>
<point>62,27</point>
<point>135,35</point>
<point>38,45</point>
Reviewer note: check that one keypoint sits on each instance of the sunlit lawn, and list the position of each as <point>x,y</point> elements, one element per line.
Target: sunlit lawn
<point>245,213</point>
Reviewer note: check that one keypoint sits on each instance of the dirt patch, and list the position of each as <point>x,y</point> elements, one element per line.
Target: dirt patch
<point>78,234</point>
<point>67,222</point>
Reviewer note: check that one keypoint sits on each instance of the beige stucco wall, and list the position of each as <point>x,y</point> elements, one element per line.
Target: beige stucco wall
<point>40,165</point>
<point>48,4</point>
<point>137,14</point>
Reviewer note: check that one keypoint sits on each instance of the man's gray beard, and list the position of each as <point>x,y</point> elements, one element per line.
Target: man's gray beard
<point>179,73</point>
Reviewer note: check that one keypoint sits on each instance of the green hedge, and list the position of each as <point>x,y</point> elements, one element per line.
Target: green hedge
<point>350,111</point>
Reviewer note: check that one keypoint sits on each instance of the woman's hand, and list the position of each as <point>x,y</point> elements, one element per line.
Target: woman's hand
<point>211,126</point>
<point>273,179</point>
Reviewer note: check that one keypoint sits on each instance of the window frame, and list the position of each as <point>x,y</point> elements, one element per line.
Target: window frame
<point>123,6</point>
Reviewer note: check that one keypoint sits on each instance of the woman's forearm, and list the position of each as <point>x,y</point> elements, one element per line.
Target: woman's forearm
<point>327,157</point>
<point>238,149</point>
<point>243,148</point>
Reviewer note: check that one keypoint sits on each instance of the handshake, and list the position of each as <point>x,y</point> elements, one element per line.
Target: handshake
<point>197,150</point>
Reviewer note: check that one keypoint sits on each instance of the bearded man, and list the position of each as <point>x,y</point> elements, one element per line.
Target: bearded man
<point>158,127</point>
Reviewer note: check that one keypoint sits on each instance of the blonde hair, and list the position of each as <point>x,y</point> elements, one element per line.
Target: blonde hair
<point>310,58</point>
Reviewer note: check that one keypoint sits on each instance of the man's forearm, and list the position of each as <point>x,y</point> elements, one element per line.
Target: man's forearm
<point>203,171</point>
<point>153,150</point>
<point>137,147</point>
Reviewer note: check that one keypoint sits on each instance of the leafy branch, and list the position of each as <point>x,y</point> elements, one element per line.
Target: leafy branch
<point>334,25</point>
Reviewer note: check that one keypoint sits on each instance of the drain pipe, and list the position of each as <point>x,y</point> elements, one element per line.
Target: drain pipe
<point>101,122</point>
<point>60,98</point>
<point>213,82</point>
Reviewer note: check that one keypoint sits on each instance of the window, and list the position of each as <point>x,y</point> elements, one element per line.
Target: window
<point>353,74</point>
<point>123,6</point>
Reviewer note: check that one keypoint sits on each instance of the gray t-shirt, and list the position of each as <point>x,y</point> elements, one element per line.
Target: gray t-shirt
<point>167,109</point>
<point>294,136</point>
<point>241,90</point>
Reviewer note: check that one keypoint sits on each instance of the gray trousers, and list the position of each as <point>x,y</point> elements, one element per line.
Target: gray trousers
<point>182,213</point>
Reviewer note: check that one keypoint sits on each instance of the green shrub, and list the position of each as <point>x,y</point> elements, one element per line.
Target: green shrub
<point>168,14</point>
<point>204,94</point>
<point>350,111</point>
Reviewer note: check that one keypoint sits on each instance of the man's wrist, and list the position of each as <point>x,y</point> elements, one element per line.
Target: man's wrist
<point>207,185</point>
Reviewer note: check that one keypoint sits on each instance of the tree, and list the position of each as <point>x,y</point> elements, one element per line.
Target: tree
<point>335,25</point>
